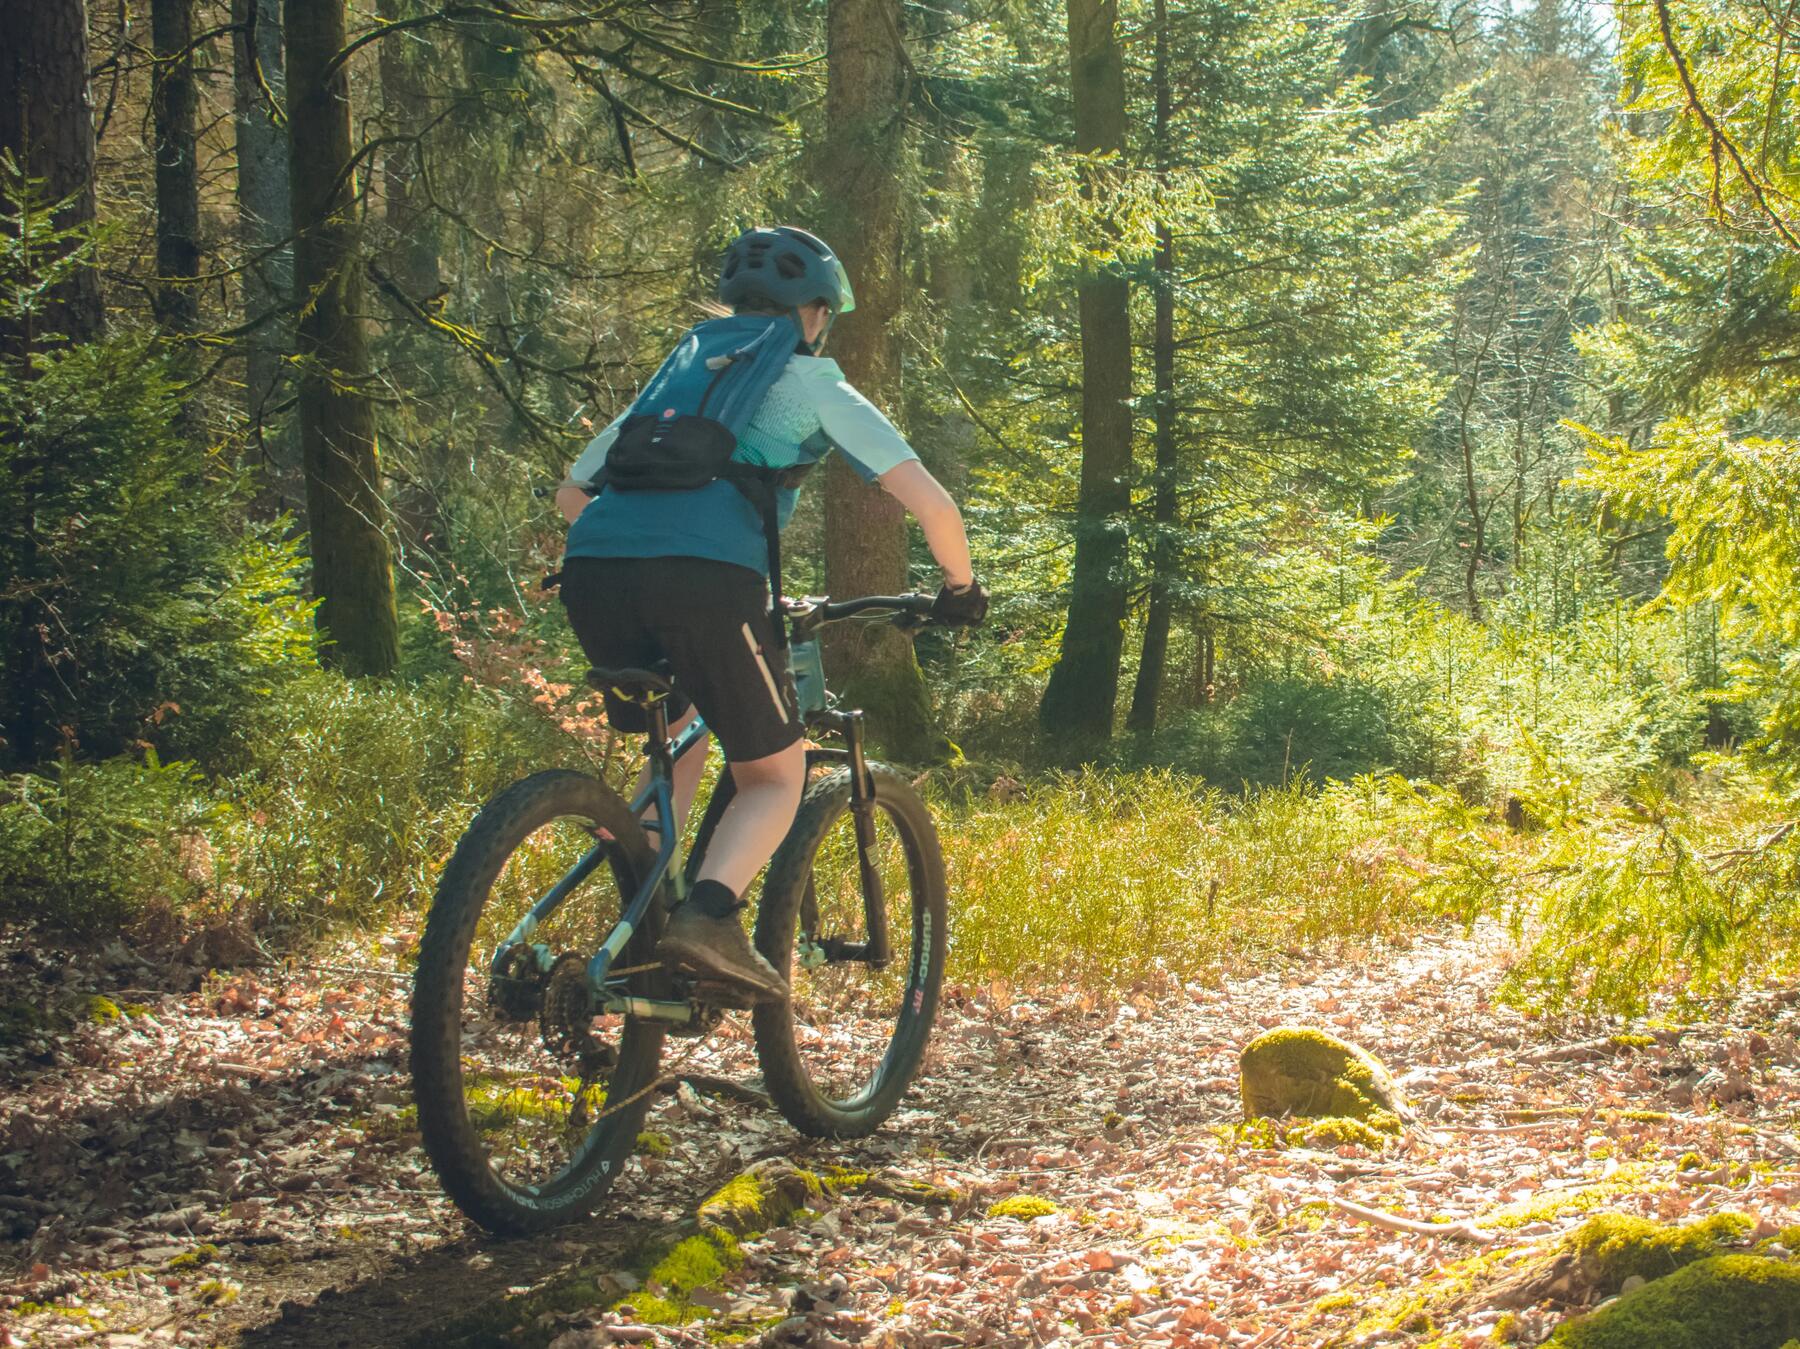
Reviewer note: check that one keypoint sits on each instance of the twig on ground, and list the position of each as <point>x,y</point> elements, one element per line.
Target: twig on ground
<point>1462,1231</point>
<point>726,1087</point>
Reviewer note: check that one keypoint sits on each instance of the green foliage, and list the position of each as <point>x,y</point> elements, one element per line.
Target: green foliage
<point>349,798</point>
<point>1100,876</point>
<point>136,604</point>
<point>88,846</point>
<point>1683,885</point>
<point>1290,728</point>
<point>1734,542</point>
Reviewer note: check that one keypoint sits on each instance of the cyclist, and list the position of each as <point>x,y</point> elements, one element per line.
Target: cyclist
<point>681,576</point>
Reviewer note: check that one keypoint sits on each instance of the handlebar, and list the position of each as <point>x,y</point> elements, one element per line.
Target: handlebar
<point>813,612</point>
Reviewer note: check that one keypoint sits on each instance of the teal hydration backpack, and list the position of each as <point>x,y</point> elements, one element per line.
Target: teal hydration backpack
<point>682,431</point>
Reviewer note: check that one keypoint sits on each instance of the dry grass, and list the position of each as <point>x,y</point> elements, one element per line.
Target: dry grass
<point>1099,877</point>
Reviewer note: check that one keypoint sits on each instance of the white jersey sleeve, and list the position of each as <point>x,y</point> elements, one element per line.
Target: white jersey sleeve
<point>593,458</point>
<point>855,426</point>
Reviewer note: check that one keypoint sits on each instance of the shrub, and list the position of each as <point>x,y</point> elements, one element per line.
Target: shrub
<point>86,847</point>
<point>1684,885</point>
<point>349,800</point>
<point>1105,876</point>
<point>134,598</point>
<point>1287,728</point>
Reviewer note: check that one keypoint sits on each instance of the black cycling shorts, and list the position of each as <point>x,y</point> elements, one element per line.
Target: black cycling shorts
<point>710,621</point>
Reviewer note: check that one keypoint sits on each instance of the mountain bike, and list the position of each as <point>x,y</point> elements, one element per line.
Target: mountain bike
<point>540,1013</point>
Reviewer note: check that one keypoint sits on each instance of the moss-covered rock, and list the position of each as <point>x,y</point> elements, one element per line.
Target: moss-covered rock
<point>1612,1247</point>
<point>765,1196</point>
<point>1299,1071</point>
<point>1722,1302</point>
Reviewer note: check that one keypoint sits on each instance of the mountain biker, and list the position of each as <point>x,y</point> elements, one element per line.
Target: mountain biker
<point>681,576</point>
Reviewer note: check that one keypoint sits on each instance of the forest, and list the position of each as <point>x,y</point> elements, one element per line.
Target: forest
<point>1377,423</point>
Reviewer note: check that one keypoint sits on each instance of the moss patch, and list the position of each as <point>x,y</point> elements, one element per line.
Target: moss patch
<point>1336,1131</point>
<point>1615,1246</point>
<point>1723,1302</point>
<point>765,1196</point>
<point>1024,1207</point>
<point>1299,1071</point>
<point>203,1254</point>
<point>102,1010</point>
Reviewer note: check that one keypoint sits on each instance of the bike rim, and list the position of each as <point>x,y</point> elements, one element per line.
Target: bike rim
<point>849,1020</point>
<point>536,1059</point>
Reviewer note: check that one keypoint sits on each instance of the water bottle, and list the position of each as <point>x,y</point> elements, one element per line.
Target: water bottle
<point>807,666</point>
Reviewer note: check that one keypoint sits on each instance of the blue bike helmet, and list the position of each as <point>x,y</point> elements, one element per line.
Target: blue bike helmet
<point>786,267</point>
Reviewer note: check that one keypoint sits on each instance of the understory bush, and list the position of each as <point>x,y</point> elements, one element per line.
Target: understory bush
<point>1686,884</point>
<point>1104,876</point>
<point>136,605</point>
<point>352,795</point>
<point>1289,728</point>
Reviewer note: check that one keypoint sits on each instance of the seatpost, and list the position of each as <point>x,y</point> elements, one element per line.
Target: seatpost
<point>656,716</point>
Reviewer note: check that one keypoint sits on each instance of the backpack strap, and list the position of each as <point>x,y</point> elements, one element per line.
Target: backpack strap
<point>759,486</point>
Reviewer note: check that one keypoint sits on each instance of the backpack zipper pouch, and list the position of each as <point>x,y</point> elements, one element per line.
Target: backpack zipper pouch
<point>670,453</point>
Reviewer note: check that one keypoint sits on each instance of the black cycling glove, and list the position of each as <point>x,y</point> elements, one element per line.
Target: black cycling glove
<point>964,608</point>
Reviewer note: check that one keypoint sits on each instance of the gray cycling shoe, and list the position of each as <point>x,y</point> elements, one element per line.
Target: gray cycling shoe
<point>717,949</point>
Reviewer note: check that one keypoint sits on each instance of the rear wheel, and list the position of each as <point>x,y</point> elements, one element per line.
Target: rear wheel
<point>529,1099</point>
<point>839,1054</point>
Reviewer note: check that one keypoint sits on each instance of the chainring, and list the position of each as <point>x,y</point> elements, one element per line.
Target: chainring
<point>566,1022</point>
<point>516,989</point>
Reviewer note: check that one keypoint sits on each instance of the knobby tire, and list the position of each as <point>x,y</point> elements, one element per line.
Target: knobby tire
<point>451,1139</point>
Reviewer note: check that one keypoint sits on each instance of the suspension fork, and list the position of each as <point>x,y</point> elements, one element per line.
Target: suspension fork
<point>862,814</point>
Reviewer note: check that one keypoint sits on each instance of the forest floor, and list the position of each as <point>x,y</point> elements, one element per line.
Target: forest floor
<point>226,1159</point>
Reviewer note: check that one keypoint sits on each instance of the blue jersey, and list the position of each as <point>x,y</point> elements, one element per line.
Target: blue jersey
<point>808,412</point>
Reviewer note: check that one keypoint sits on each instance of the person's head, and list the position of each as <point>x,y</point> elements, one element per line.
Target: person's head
<point>784,270</point>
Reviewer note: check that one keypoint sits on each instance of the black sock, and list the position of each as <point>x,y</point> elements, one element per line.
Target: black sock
<point>713,899</point>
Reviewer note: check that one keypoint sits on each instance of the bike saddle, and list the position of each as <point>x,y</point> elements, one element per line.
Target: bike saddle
<point>634,684</point>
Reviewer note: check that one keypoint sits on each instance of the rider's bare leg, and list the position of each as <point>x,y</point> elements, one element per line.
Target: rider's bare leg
<point>688,770</point>
<point>757,819</point>
<point>705,934</point>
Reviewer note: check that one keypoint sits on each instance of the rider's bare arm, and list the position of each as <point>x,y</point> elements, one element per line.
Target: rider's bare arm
<point>912,485</point>
<point>571,501</point>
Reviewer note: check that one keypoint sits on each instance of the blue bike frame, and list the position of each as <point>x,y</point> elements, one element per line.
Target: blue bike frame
<point>658,792</point>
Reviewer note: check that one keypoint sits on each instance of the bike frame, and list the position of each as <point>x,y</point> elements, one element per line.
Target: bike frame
<point>658,791</point>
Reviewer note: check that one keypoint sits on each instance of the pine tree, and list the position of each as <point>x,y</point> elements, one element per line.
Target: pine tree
<point>346,516</point>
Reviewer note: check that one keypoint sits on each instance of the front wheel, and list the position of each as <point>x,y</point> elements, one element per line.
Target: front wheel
<point>839,1054</point>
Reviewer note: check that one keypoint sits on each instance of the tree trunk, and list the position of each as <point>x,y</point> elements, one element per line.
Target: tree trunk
<point>1153,657</point>
<point>352,570</point>
<point>865,529</point>
<point>265,218</point>
<point>1078,703</point>
<point>47,125</point>
<point>415,261</point>
<point>174,107</point>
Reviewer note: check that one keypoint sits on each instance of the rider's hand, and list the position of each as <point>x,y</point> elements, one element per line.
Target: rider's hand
<point>961,607</point>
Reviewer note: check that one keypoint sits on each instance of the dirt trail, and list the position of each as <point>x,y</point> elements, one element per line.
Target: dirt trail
<point>234,1165</point>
